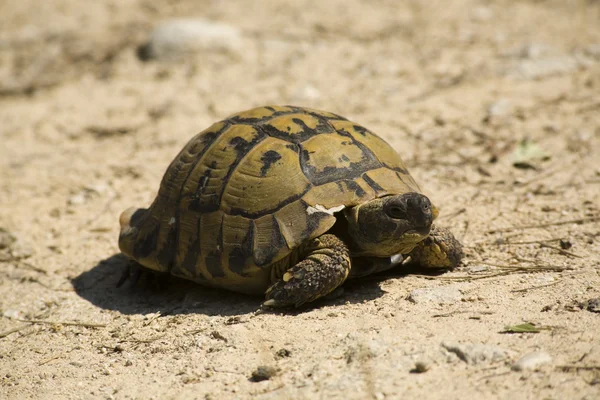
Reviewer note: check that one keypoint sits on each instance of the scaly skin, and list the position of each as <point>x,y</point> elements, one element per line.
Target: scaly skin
<point>439,250</point>
<point>325,266</point>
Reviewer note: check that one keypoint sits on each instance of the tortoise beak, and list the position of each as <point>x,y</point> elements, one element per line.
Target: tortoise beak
<point>434,212</point>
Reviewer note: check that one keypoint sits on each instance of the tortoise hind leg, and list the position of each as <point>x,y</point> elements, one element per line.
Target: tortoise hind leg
<point>440,250</point>
<point>325,267</point>
<point>134,271</point>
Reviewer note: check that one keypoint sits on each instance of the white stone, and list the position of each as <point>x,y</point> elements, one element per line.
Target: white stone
<point>499,108</point>
<point>306,93</point>
<point>544,67</point>
<point>176,39</point>
<point>532,361</point>
<point>77,199</point>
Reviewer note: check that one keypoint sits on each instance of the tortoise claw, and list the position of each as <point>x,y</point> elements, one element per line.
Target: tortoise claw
<point>271,303</point>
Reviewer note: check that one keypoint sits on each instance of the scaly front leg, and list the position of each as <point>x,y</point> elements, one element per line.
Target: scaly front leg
<point>439,250</point>
<point>325,266</point>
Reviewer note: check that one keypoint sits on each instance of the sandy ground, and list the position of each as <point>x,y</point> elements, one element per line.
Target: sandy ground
<point>494,105</point>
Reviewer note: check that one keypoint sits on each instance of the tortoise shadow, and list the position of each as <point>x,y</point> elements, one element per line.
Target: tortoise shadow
<point>99,286</point>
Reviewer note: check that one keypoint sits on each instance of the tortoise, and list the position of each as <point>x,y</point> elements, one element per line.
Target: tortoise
<point>288,202</point>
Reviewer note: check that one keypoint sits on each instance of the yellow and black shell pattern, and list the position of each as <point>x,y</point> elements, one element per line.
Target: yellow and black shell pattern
<point>248,190</point>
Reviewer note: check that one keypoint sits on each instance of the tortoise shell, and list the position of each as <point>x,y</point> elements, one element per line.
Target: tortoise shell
<point>247,191</point>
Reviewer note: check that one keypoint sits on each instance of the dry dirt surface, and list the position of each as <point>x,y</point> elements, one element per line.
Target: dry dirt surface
<point>494,106</point>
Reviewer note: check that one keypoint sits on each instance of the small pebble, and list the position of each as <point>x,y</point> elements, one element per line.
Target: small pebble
<point>283,353</point>
<point>593,305</point>
<point>305,94</point>
<point>422,366</point>
<point>77,199</point>
<point>6,239</point>
<point>217,335</point>
<point>12,313</point>
<point>263,373</point>
<point>500,108</point>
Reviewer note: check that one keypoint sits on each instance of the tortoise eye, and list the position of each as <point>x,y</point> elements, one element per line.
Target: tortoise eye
<point>396,212</point>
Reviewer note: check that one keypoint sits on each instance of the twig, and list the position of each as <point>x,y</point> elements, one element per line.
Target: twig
<point>33,267</point>
<point>475,278</point>
<point>462,277</point>
<point>14,330</point>
<point>536,287</point>
<point>584,356</point>
<point>523,259</point>
<point>494,375</point>
<point>506,270</point>
<point>538,177</point>
<point>101,132</point>
<point>567,368</point>
<point>268,390</point>
<point>537,267</point>
<point>46,361</point>
<point>572,221</point>
<point>66,323</point>
<point>451,313</point>
<point>35,280</point>
<point>561,251</point>
<point>538,241</point>
<point>160,314</point>
<point>142,340</point>
<point>194,331</point>
<point>478,132</point>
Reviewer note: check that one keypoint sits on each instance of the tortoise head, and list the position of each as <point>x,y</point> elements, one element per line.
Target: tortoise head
<point>390,225</point>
